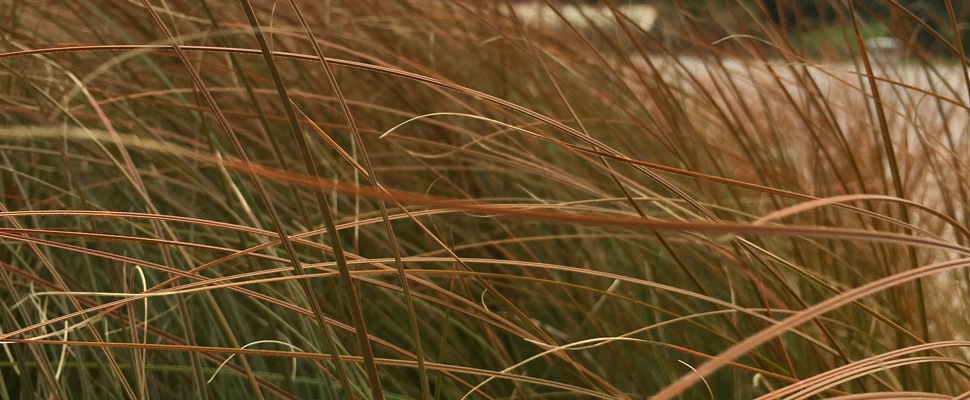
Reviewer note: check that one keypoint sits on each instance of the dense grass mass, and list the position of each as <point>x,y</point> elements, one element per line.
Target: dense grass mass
<point>433,199</point>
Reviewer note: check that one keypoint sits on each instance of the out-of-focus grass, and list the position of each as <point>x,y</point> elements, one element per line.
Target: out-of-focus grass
<point>393,199</point>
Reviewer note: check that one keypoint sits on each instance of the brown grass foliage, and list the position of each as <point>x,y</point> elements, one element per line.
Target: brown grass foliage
<point>432,199</point>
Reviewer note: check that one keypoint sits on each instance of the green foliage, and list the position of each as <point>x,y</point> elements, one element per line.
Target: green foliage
<point>431,199</point>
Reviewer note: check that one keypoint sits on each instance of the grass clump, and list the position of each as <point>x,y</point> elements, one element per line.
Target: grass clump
<point>434,199</point>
